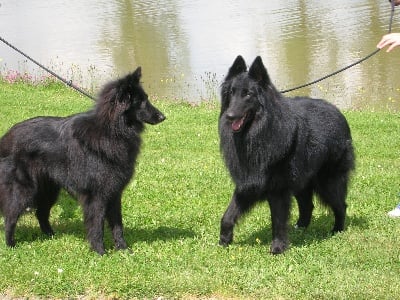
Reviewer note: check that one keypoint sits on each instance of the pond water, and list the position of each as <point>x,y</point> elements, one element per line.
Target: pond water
<point>185,47</point>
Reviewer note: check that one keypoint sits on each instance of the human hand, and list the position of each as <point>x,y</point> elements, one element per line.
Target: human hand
<point>396,2</point>
<point>392,40</point>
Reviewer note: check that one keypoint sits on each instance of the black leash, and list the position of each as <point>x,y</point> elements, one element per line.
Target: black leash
<point>349,66</point>
<point>391,15</point>
<point>67,82</point>
<point>332,74</point>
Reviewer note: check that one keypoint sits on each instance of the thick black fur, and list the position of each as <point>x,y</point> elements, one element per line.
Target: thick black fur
<point>91,155</point>
<point>277,147</point>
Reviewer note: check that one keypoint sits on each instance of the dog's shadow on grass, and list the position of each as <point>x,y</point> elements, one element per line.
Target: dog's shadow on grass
<point>30,233</point>
<point>320,229</point>
<point>68,224</point>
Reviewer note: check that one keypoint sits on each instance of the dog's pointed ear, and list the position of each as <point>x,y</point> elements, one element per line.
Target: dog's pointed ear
<point>239,66</point>
<point>259,73</point>
<point>137,74</point>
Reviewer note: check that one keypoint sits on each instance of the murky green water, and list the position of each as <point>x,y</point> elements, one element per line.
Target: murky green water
<point>186,47</point>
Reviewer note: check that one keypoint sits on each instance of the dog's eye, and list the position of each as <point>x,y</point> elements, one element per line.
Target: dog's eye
<point>246,93</point>
<point>232,91</point>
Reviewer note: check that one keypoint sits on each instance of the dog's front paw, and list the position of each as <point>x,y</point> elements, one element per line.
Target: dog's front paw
<point>99,248</point>
<point>10,243</point>
<point>224,241</point>
<point>121,245</point>
<point>278,246</point>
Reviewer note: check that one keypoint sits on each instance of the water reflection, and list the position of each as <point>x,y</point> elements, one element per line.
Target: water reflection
<point>185,47</point>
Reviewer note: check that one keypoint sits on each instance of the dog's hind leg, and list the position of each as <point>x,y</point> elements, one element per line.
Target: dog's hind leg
<point>94,214</point>
<point>306,206</point>
<point>279,204</point>
<point>333,191</point>
<point>15,208</point>
<point>45,199</point>
<point>10,222</point>
<point>114,218</point>
<point>239,205</point>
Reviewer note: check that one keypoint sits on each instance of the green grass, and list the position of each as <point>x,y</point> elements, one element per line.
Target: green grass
<point>172,210</point>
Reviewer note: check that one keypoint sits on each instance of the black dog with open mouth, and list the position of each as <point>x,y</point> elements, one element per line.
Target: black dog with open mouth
<point>276,147</point>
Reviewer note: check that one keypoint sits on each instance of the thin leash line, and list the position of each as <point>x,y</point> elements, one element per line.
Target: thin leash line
<point>349,66</point>
<point>332,74</point>
<point>67,82</point>
<point>391,15</point>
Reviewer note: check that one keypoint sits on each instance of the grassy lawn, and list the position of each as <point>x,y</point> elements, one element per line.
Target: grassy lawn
<point>172,209</point>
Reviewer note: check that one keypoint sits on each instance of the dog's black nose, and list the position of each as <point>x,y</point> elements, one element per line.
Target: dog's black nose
<point>231,116</point>
<point>161,117</point>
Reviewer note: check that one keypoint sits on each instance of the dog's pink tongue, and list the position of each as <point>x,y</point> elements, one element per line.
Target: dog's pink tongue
<point>237,124</point>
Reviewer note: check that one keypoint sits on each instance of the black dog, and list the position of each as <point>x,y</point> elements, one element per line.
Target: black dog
<point>91,155</point>
<point>276,147</point>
